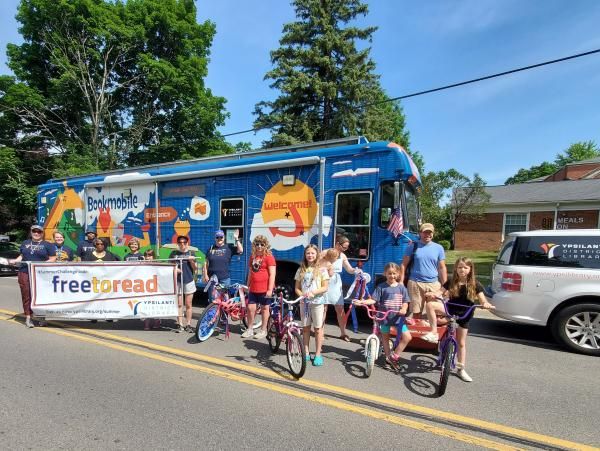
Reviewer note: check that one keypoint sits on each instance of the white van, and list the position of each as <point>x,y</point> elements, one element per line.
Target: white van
<point>552,277</point>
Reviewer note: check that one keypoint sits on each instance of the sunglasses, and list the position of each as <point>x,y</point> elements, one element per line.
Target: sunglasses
<point>36,231</point>
<point>219,237</point>
<point>259,244</point>
<point>98,244</point>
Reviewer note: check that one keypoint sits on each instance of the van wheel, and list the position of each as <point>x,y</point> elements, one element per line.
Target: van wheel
<point>578,328</point>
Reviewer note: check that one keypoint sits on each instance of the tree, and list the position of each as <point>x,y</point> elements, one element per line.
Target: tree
<point>328,87</point>
<point>576,152</point>
<point>114,83</point>
<point>469,200</point>
<point>449,197</point>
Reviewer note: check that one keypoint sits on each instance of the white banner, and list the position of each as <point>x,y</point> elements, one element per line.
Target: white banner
<point>110,290</point>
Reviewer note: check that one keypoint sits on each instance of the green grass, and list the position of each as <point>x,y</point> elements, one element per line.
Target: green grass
<point>483,262</point>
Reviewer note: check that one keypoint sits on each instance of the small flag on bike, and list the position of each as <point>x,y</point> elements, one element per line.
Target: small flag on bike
<point>396,224</point>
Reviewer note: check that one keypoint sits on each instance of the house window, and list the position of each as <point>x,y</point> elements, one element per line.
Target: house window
<point>353,219</point>
<point>515,223</point>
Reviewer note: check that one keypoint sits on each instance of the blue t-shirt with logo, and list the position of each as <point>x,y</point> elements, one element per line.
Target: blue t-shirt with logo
<point>218,259</point>
<point>425,261</point>
<point>133,257</point>
<point>63,253</point>
<point>35,251</point>
<point>85,247</point>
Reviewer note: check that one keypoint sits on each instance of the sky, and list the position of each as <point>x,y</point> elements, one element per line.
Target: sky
<point>492,128</point>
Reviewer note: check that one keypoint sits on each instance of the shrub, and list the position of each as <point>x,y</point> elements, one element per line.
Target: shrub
<point>445,244</point>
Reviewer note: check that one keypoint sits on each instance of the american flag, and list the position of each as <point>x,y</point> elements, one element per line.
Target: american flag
<point>396,225</point>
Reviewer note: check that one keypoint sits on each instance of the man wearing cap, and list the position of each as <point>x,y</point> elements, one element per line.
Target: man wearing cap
<point>32,250</point>
<point>427,272</point>
<point>218,257</point>
<point>86,246</point>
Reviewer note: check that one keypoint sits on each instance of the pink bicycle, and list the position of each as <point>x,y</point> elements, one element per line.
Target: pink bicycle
<point>373,341</point>
<point>282,327</point>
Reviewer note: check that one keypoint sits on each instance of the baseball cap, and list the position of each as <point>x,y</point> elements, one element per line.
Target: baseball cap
<point>37,227</point>
<point>219,233</point>
<point>90,230</point>
<point>426,226</point>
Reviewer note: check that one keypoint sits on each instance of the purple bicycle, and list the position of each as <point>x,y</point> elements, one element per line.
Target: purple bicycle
<point>448,344</point>
<point>283,327</point>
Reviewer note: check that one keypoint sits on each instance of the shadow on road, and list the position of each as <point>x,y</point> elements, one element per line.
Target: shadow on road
<point>509,332</point>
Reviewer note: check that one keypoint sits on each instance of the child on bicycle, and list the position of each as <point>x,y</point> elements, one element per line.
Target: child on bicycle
<point>312,283</point>
<point>464,289</point>
<point>391,295</point>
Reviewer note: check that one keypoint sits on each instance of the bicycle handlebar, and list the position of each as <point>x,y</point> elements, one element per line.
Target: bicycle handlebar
<point>446,303</point>
<point>287,301</point>
<point>377,315</point>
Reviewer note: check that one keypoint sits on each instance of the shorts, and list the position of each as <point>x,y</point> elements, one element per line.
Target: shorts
<point>315,317</point>
<point>464,323</point>
<point>416,293</point>
<point>385,328</point>
<point>258,298</point>
<point>188,288</point>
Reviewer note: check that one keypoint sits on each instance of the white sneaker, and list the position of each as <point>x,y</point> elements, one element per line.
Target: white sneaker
<point>260,334</point>
<point>430,337</point>
<point>29,322</point>
<point>464,376</point>
<point>249,333</point>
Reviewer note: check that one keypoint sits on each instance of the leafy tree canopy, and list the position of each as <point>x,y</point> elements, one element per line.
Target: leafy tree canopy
<point>327,85</point>
<point>118,83</point>
<point>576,152</point>
<point>103,84</point>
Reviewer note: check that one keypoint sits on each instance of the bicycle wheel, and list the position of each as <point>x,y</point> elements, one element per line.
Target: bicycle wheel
<point>207,323</point>
<point>257,320</point>
<point>296,355</point>
<point>448,353</point>
<point>371,354</point>
<point>273,335</point>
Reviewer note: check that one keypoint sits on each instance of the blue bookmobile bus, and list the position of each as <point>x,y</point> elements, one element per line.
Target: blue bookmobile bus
<point>293,195</point>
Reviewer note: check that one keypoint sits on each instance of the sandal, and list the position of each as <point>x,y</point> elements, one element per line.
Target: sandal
<point>345,337</point>
<point>318,361</point>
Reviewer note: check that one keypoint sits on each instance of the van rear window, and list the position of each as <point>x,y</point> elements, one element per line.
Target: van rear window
<point>558,251</point>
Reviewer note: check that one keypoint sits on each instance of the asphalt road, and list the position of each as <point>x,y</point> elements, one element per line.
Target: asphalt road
<point>77,385</point>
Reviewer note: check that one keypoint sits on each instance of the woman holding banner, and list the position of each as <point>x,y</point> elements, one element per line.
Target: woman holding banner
<point>187,266</point>
<point>63,253</point>
<point>100,254</point>
<point>32,250</point>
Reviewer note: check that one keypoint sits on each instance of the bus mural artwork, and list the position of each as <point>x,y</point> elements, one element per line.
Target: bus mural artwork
<point>289,216</point>
<point>295,196</point>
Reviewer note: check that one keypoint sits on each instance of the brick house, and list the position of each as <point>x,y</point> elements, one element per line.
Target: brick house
<point>567,199</point>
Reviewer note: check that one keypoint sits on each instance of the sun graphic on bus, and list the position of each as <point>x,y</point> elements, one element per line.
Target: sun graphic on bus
<point>289,216</point>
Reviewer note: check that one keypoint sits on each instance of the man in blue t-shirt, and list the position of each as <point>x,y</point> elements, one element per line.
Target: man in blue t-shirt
<point>86,246</point>
<point>428,271</point>
<point>218,257</point>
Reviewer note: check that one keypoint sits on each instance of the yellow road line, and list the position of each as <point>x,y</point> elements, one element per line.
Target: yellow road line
<point>486,425</point>
<point>394,419</point>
